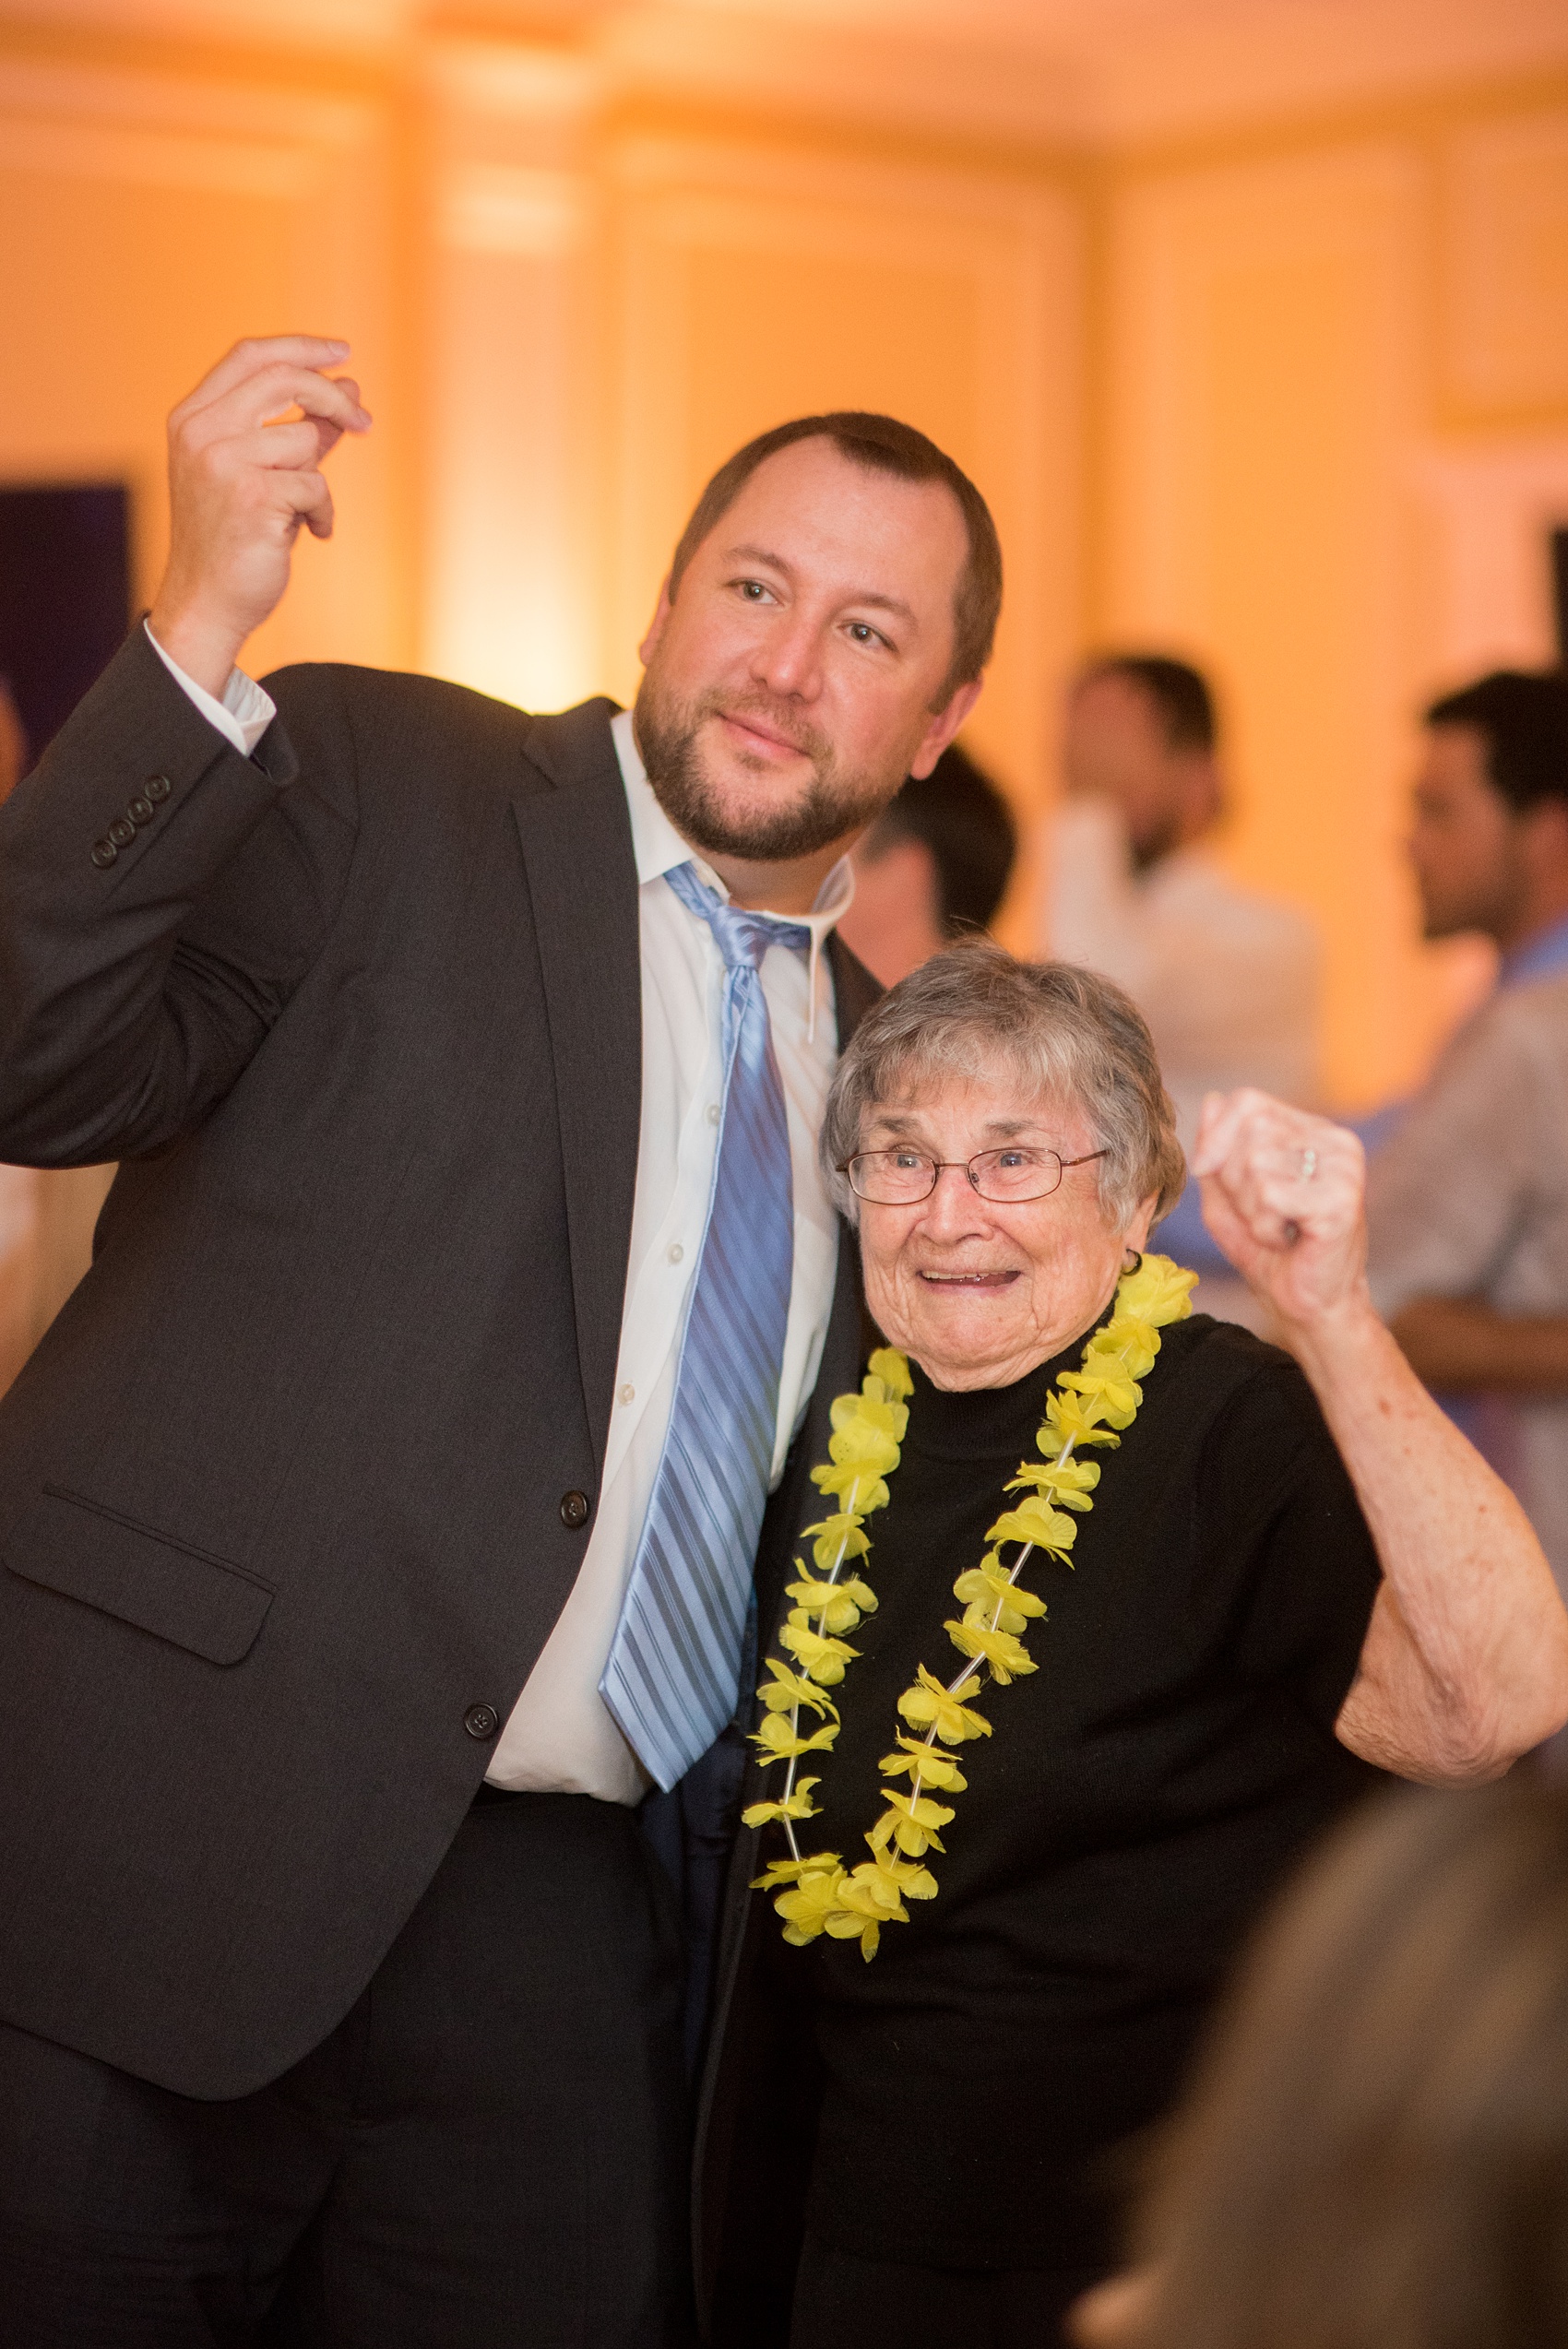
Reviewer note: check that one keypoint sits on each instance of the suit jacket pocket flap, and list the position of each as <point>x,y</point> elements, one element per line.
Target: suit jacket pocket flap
<point>87,1552</point>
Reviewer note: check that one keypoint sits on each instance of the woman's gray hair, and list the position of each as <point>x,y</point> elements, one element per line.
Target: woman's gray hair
<point>1068,1034</point>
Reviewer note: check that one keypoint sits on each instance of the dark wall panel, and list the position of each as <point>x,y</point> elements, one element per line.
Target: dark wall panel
<point>64,595</point>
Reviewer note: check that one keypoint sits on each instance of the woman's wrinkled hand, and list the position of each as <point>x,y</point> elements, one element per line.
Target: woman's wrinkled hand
<point>1284,1196</point>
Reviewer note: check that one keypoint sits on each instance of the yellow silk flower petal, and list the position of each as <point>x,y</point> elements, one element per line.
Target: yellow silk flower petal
<point>1035,1521</point>
<point>1070,1419</point>
<point>810,1903</point>
<point>847,1599</point>
<point>1009,1659</point>
<point>1159,1291</point>
<point>911,1821</point>
<point>859,1439</point>
<point>1067,1484</point>
<point>838,1537</point>
<point>779,1742</point>
<point>786,1689</point>
<point>822,1659</point>
<point>1117,1394</point>
<point>868,1899</point>
<point>796,1805</point>
<point>870,1409</point>
<point>789,1871</point>
<point>997,1604</point>
<point>916,1759</point>
<point>856,1486</point>
<point>1133,1343</point>
<point>927,1706</point>
<point>915,1883</point>
<point>893,1369</point>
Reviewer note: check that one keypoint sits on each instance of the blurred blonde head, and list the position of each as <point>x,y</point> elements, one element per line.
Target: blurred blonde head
<point>1375,2154</point>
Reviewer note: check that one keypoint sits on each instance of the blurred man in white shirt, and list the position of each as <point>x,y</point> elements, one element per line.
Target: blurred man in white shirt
<point>1228,979</point>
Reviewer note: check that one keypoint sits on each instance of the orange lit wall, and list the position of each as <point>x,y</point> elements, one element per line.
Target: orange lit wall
<point>1333,370</point>
<point>1295,400</point>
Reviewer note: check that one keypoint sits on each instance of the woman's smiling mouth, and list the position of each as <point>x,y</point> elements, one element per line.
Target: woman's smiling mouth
<point>969,1280</point>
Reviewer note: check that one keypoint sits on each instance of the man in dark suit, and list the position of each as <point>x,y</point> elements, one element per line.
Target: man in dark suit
<point>377,1518</point>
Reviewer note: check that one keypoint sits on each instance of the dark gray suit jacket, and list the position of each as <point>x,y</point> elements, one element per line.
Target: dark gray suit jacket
<point>287,1492</point>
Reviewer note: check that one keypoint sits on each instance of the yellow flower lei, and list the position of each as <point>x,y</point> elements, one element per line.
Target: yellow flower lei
<point>1089,1406</point>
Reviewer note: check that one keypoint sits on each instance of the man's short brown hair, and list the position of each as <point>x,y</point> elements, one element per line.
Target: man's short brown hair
<point>883,445</point>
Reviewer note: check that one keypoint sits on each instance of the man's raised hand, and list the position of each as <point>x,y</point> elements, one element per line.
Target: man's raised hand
<point>245,451</point>
<point>1283,1195</point>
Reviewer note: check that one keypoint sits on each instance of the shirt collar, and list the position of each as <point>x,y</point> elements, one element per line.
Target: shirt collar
<point>1543,957</point>
<point>657,846</point>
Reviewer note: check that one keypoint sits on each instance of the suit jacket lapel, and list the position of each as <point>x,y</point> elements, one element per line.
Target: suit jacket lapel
<point>854,989</point>
<point>577,841</point>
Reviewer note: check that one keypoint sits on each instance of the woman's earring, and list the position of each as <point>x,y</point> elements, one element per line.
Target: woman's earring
<point>1135,1262</point>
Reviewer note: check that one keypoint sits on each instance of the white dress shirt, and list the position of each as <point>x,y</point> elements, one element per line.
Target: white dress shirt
<point>560,1737</point>
<point>1228,979</point>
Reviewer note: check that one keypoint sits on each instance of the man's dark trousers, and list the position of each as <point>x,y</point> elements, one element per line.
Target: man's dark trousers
<point>444,2167</point>
<point>294,1490</point>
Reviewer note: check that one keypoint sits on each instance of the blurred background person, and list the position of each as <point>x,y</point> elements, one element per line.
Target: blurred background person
<point>1375,2154</point>
<point>1469,1194</point>
<point>1229,979</point>
<point>933,867</point>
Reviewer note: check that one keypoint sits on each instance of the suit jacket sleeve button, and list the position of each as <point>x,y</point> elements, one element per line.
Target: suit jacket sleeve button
<point>140,808</point>
<point>482,1720</point>
<point>104,854</point>
<point>157,786</point>
<point>122,832</point>
<point>574,1510</point>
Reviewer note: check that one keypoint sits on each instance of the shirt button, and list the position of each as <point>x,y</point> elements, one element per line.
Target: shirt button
<point>676,1252</point>
<point>713,1113</point>
<point>158,787</point>
<point>104,854</point>
<point>482,1720</point>
<point>574,1510</point>
<point>628,1393</point>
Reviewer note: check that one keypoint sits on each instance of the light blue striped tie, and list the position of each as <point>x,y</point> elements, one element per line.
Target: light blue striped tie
<point>673,1670</point>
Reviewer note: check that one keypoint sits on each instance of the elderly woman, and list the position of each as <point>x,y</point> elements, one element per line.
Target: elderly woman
<point>1103,1612</point>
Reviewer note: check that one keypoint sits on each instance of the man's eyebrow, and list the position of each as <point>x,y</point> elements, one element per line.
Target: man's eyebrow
<point>869,596</point>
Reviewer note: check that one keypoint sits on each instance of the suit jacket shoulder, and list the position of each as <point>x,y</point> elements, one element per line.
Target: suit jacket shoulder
<point>396,721</point>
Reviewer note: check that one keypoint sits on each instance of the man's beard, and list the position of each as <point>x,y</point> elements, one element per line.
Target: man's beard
<point>835,803</point>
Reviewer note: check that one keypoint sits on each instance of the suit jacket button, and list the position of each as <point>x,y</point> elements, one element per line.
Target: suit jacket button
<point>482,1720</point>
<point>140,808</point>
<point>122,832</point>
<point>574,1510</point>
<point>104,854</point>
<point>157,786</point>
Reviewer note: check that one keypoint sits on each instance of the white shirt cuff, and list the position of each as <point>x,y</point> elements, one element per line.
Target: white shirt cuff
<point>242,717</point>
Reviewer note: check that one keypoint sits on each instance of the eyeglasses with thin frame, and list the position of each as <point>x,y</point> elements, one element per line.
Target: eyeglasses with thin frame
<point>1006,1177</point>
